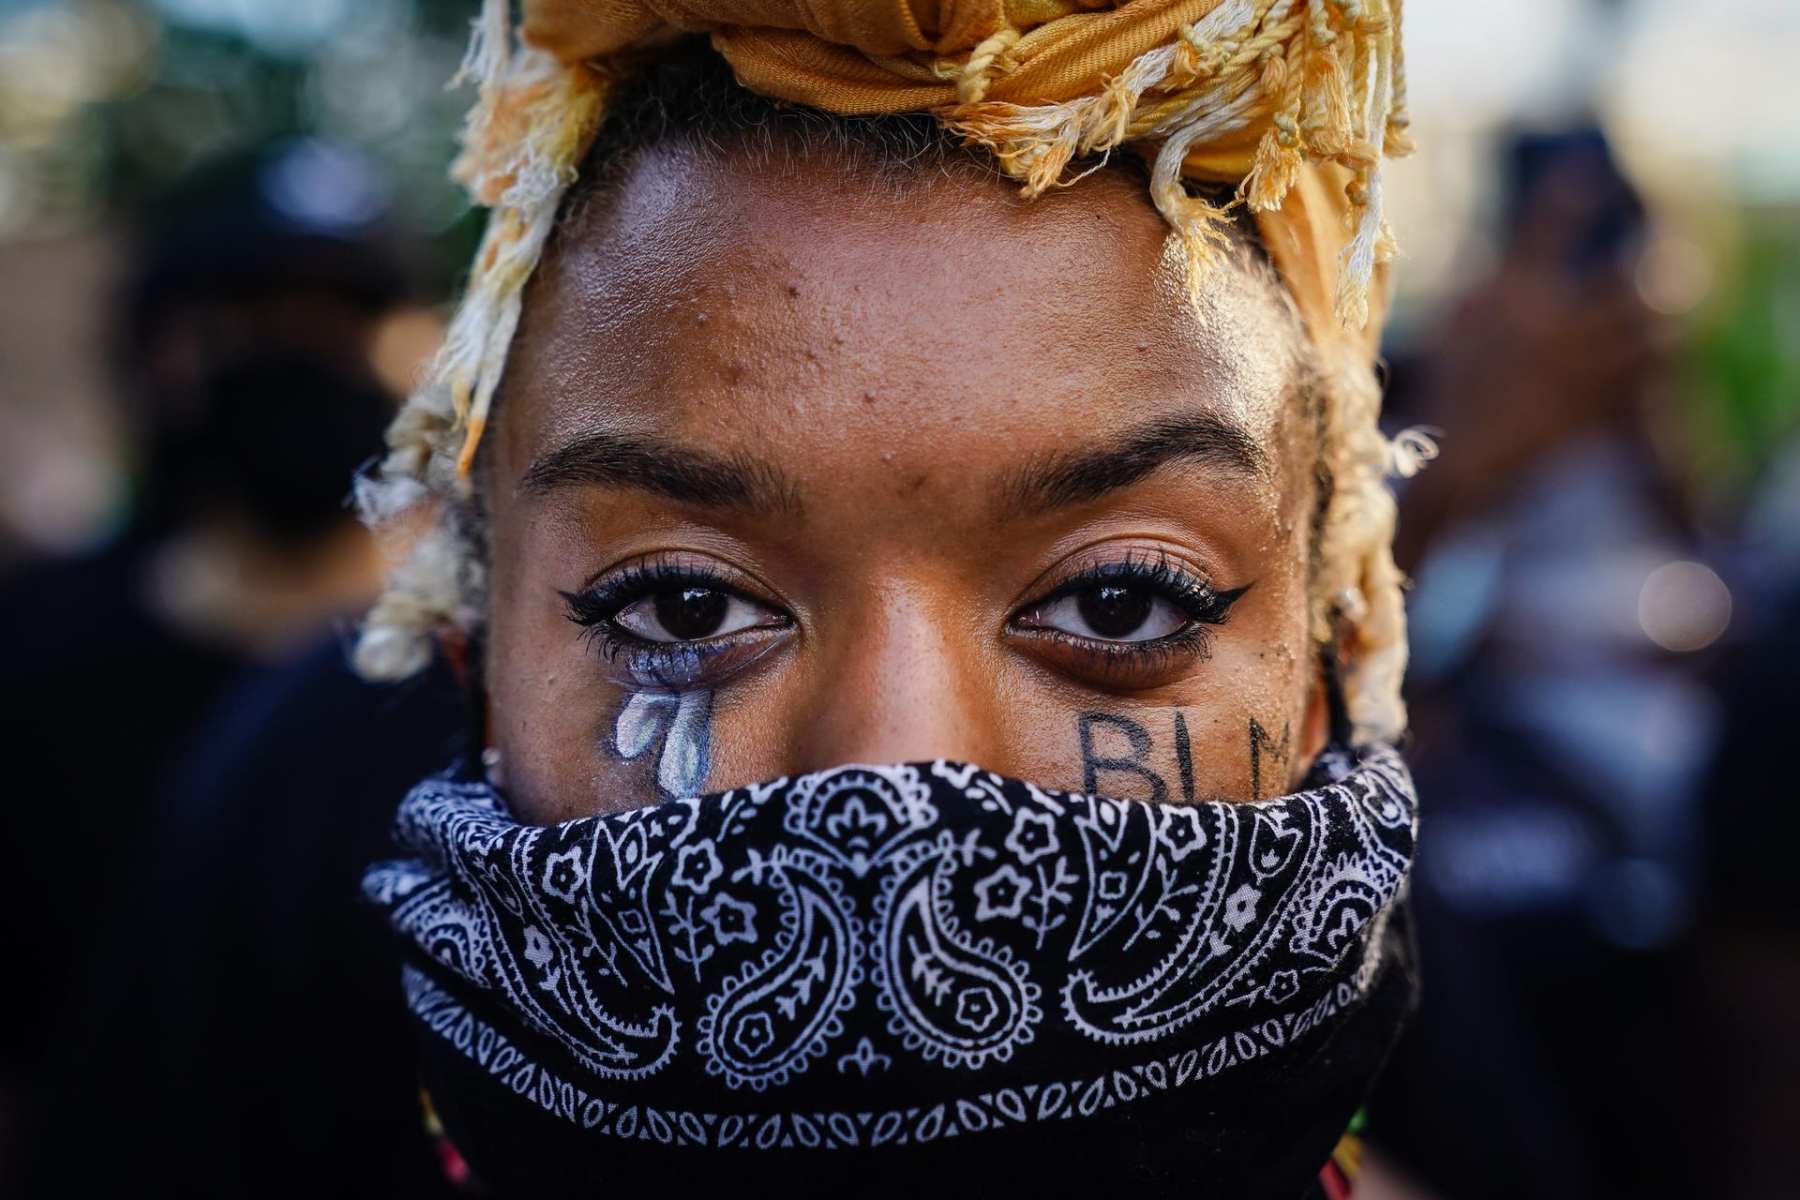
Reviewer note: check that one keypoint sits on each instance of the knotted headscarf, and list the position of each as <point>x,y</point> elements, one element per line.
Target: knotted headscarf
<point>1293,102</point>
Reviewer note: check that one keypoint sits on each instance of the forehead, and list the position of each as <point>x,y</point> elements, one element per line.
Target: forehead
<point>795,308</point>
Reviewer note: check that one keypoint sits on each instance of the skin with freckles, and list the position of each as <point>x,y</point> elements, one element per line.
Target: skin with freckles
<point>791,471</point>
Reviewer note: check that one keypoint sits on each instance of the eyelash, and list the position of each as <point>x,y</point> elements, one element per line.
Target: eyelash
<point>596,606</point>
<point>1206,608</point>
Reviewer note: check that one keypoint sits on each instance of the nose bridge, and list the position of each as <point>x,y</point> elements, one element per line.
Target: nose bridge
<point>902,682</point>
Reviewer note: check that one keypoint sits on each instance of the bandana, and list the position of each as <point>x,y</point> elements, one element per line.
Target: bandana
<point>881,980</point>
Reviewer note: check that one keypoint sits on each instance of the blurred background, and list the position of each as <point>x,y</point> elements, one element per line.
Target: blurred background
<point>226,246</point>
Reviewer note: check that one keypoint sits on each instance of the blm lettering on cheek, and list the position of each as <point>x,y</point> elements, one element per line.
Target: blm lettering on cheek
<point>1261,743</point>
<point>1112,745</point>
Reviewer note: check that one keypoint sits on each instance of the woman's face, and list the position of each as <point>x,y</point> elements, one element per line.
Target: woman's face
<point>797,467</point>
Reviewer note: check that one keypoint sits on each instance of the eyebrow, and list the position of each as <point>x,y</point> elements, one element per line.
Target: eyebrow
<point>680,473</point>
<point>1207,438</point>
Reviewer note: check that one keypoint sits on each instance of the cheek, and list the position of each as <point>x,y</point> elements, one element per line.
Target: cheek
<point>1238,734</point>
<point>1240,727</point>
<point>575,745</point>
<point>1237,729</point>
<point>574,740</point>
<point>546,707</point>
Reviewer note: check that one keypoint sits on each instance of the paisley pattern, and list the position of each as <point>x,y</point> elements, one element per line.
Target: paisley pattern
<point>1060,1099</point>
<point>931,922</point>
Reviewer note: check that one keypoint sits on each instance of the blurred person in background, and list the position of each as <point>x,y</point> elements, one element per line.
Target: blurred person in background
<point>240,980</point>
<point>244,333</point>
<point>1563,725</point>
<point>1745,972</point>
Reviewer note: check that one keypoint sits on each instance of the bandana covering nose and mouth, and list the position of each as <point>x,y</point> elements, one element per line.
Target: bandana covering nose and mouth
<point>888,980</point>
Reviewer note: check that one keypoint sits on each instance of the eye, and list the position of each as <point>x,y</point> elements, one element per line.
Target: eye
<point>1134,616</point>
<point>676,620</point>
<point>1109,612</point>
<point>671,603</point>
<point>692,614</point>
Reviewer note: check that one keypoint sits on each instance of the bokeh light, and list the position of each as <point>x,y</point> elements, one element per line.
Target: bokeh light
<point>1684,606</point>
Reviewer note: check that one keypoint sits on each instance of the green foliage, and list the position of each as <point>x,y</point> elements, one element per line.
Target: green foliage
<point>1745,362</point>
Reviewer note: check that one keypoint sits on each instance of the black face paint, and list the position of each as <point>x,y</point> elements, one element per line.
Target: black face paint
<point>1094,765</point>
<point>1184,759</point>
<point>1278,753</point>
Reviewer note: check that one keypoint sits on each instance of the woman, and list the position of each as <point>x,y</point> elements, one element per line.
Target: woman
<point>819,445</point>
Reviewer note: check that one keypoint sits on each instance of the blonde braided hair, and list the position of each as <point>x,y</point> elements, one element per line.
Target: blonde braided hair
<point>1327,77</point>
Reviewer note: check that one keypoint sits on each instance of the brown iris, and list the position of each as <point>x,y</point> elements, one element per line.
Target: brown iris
<point>689,614</point>
<point>1114,612</point>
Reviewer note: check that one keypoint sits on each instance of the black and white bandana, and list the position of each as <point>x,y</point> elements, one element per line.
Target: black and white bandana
<point>903,980</point>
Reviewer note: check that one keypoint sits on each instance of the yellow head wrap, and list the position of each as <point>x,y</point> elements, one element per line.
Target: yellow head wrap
<point>1295,102</point>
